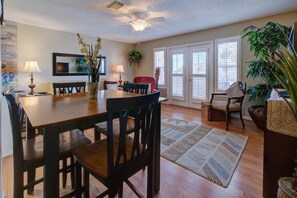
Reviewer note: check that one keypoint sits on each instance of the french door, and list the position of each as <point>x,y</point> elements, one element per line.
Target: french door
<point>190,68</point>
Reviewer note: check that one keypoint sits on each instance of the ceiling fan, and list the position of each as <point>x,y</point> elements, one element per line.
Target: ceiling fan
<point>139,17</point>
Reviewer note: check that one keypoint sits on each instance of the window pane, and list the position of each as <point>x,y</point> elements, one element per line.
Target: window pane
<point>177,63</point>
<point>159,61</point>
<point>227,64</point>
<point>177,86</point>
<point>199,88</point>
<point>199,63</point>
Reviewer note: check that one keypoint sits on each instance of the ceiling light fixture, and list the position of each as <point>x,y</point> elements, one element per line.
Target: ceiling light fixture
<point>139,24</point>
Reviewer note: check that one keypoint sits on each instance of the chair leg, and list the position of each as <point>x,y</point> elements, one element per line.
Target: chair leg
<point>240,113</point>
<point>31,178</point>
<point>112,191</point>
<point>18,184</point>
<point>120,190</point>
<point>72,171</point>
<point>97,135</point>
<point>149,188</point>
<point>227,120</point>
<point>78,185</point>
<point>64,173</point>
<point>86,184</point>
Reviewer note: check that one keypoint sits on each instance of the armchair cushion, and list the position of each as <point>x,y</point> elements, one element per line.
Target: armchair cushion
<point>221,105</point>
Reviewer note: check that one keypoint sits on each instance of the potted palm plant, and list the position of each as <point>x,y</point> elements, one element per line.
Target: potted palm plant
<point>285,60</point>
<point>263,42</point>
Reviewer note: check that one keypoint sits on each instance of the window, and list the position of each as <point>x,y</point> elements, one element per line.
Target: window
<point>159,61</point>
<point>227,62</point>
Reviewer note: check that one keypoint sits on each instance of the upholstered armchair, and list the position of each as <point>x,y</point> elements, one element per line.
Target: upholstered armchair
<point>233,103</point>
<point>147,79</point>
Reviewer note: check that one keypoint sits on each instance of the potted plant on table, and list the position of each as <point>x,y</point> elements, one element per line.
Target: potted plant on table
<point>92,57</point>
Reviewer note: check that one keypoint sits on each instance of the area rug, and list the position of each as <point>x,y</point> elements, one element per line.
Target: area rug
<point>208,152</point>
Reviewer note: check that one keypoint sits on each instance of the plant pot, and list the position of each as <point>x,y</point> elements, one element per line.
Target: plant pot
<point>258,115</point>
<point>93,90</point>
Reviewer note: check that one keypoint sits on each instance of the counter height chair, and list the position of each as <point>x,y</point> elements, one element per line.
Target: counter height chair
<point>115,159</point>
<point>128,87</point>
<point>233,104</point>
<point>28,155</point>
<point>68,87</point>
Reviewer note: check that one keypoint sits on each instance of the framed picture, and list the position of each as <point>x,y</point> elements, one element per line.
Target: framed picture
<point>73,65</point>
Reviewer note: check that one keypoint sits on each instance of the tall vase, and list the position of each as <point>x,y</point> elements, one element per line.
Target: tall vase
<point>93,90</point>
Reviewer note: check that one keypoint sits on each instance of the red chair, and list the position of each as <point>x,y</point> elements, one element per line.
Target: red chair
<point>147,79</point>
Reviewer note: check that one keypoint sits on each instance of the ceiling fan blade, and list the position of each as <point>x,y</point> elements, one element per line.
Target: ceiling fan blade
<point>156,19</point>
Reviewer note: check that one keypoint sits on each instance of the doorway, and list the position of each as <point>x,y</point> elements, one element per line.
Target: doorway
<point>190,69</point>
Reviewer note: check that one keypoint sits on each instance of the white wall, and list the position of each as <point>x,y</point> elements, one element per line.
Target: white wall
<point>146,48</point>
<point>35,43</point>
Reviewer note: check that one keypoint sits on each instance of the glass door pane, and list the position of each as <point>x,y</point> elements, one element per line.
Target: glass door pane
<point>198,74</point>
<point>177,74</point>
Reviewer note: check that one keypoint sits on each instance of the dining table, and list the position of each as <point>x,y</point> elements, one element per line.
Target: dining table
<point>54,114</point>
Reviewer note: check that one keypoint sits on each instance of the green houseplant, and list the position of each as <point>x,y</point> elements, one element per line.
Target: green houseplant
<point>285,60</point>
<point>263,42</point>
<point>134,57</point>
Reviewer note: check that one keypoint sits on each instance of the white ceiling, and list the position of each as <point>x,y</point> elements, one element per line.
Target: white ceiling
<point>91,17</point>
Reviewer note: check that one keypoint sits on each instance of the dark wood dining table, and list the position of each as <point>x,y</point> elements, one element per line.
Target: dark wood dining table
<point>55,114</point>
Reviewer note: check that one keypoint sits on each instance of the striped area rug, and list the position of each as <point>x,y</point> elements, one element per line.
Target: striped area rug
<point>208,152</point>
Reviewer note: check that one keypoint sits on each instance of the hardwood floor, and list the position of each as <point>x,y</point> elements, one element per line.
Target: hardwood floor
<point>177,181</point>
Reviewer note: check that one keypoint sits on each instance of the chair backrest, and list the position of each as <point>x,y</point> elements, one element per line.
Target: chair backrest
<point>110,85</point>
<point>242,85</point>
<point>136,87</point>
<point>68,87</point>
<point>144,110</point>
<point>16,119</point>
<point>146,79</point>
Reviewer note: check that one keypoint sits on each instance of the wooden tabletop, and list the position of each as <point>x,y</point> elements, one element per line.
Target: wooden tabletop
<point>55,109</point>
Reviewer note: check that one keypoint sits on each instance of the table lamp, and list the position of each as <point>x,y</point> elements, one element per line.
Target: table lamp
<point>31,67</point>
<point>120,69</point>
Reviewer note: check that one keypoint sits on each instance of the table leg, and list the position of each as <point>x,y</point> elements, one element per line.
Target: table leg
<point>51,167</point>
<point>30,130</point>
<point>157,152</point>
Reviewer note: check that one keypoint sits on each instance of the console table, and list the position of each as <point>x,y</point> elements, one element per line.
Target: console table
<point>280,145</point>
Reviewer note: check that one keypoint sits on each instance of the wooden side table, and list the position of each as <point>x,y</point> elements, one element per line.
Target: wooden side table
<point>209,114</point>
<point>205,111</point>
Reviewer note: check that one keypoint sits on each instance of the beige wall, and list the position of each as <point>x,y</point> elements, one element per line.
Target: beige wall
<point>146,48</point>
<point>35,43</point>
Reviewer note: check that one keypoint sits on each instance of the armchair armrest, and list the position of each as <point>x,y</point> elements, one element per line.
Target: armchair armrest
<point>236,98</point>
<point>241,97</point>
<point>214,94</point>
<point>218,94</point>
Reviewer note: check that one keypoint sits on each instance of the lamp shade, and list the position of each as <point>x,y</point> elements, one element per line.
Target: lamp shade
<point>119,69</point>
<point>31,66</point>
